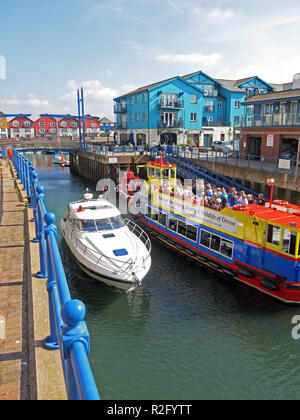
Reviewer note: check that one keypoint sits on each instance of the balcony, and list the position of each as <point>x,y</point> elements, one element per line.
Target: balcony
<point>120,108</point>
<point>216,123</point>
<point>170,125</point>
<point>272,120</point>
<point>209,109</point>
<point>210,93</point>
<point>170,104</point>
<point>122,125</point>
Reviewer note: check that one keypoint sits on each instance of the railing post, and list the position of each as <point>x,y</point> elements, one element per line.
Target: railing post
<point>35,205</point>
<point>74,333</point>
<point>52,341</point>
<point>42,274</point>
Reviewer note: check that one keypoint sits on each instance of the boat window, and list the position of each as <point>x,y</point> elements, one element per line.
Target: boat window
<point>226,248</point>
<point>181,228</point>
<point>205,238</point>
<point>116,222</point>
<point>273,235</point>
<point>172,173</point>
<point>172,224</point>
<point>165,173</point>
<point>157,173</point>
<point>191,232</point>
<point>162,219</point>
<point>289,241</point>
<point>89,226</point>
<point>216,243</point>
<point>150,172</point>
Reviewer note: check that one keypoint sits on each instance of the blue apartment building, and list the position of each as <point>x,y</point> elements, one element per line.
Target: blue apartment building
<point>192,109</point>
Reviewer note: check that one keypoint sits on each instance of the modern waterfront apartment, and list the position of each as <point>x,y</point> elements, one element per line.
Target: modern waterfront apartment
<point>191,109</point>
<point>271,124</point>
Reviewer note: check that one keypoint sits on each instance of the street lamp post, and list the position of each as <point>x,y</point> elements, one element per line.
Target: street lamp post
<point>271,183</point>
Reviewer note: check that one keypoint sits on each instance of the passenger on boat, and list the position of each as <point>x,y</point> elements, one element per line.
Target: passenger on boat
<point>243,199</point>
<point>260,200</point>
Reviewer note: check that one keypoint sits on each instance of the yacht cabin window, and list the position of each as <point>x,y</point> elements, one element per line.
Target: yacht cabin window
<point>101,224</point>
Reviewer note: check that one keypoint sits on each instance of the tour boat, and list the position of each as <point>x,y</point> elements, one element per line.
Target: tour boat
<point>107,248</point>
<point>256,245</point>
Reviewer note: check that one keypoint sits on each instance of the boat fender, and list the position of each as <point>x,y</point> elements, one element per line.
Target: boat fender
<point>269,285</point>
<point>245,273</point>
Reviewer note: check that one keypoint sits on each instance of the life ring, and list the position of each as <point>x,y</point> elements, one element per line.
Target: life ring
<point>281,202</point>
<point>241,207</point>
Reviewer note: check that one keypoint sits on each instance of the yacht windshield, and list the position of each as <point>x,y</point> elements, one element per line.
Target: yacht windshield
<point>102,224</point>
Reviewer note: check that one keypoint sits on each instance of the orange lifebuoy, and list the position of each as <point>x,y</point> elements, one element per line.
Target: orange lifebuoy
<point>241,207</point>
<point>281,202</point>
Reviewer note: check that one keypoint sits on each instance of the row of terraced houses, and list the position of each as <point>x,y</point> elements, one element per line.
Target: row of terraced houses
<point>198,109</point>
<point>48,127</point>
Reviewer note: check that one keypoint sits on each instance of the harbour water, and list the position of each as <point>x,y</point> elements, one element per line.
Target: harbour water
<point>186,334</point>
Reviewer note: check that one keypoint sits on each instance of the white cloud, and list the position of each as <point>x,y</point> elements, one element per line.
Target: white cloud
<point>193,58</point>
<point>218,16</point>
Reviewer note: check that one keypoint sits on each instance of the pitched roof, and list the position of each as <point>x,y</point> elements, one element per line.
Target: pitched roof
<point>230,85</point>
<point>151,85</point>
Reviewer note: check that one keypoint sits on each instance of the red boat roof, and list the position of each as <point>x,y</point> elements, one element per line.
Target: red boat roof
<point>271,215</point>
<point>160,163</point>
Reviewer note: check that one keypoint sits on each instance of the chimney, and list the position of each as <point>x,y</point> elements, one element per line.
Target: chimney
<point>296,81</point>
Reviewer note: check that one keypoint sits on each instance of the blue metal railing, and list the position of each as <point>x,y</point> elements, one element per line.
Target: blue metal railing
<point>68,331</point>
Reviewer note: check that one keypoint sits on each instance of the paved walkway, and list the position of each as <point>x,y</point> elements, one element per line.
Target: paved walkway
<point>14,363</point>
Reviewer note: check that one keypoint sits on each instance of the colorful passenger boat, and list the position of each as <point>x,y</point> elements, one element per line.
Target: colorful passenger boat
<point>256,245</point>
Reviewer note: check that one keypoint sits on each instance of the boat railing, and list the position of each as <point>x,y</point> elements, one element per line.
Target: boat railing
<point>140,233</point>
<point>68,331</point>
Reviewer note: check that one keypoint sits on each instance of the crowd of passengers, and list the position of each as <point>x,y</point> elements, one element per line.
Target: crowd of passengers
<point>215,197</point>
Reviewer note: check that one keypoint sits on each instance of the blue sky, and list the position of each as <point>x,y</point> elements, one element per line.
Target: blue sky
<point>51,47</point>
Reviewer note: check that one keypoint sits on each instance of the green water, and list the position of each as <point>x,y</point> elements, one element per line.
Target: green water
<point>186,333</point>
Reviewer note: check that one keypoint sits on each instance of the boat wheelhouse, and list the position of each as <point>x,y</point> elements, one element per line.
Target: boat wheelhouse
<point>254,244</point>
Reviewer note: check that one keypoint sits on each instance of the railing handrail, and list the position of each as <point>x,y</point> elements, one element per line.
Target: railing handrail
<point>68,331</point>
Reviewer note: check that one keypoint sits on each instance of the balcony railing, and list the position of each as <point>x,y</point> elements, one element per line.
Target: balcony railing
<point>216,123</point>
<point>122,125</point>
<point>211,93</point>
<point>170,104</point>
<point>173,124</point>
<point>120,108</point>
<point>209,109</point>
<point>273,120</point>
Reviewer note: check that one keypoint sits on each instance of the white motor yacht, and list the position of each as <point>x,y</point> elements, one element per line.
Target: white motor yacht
<point>57,158</point>
<point>107,248</point>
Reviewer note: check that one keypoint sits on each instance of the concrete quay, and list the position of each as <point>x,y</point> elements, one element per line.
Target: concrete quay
<point>27,370</point>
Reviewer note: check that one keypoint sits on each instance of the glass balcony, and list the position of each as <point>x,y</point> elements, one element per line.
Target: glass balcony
<point>170,104</point>
<point>171,124</point>
<point>121,125</point>
<point>209,109</point>
<point>120,108</point>
<point>273,120</point>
